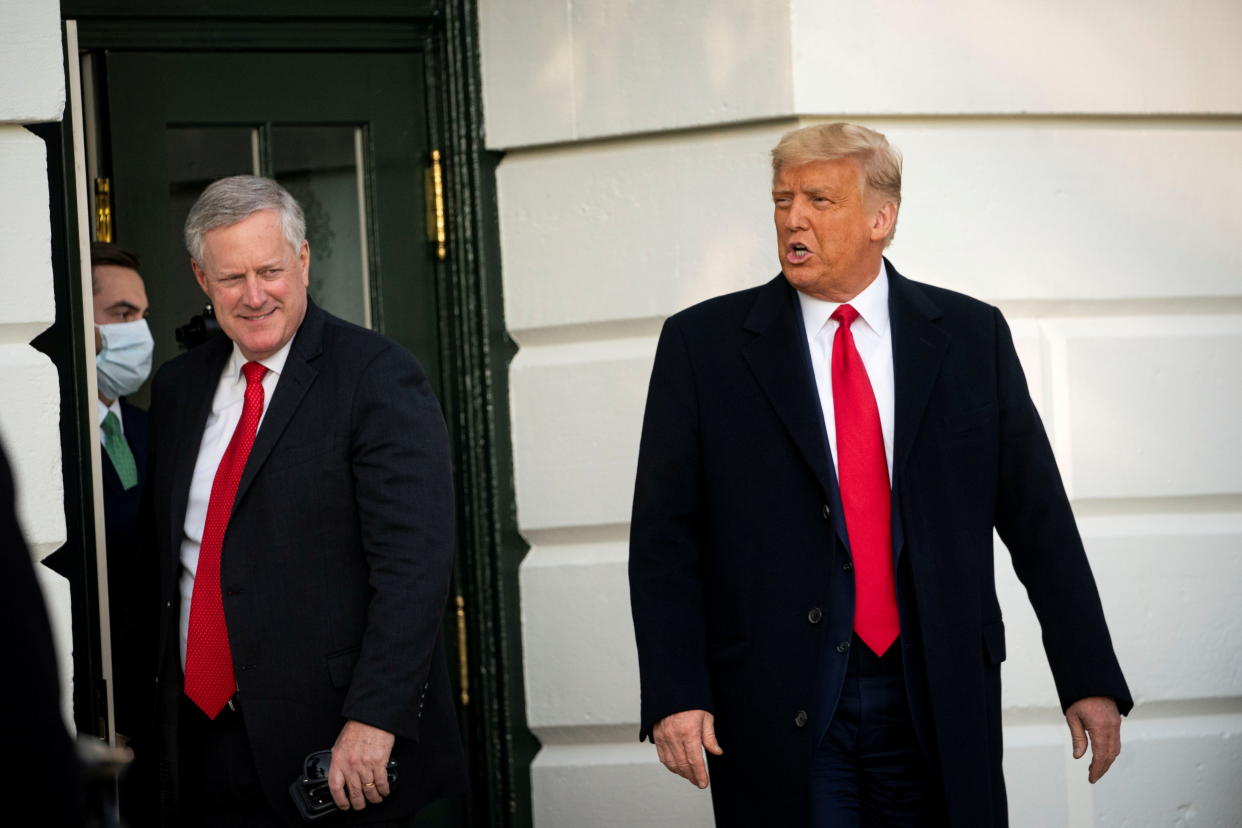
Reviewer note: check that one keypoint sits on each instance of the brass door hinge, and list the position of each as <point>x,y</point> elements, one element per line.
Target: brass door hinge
<point>463,663</point>
<point>103,209</point>
<point>435,206</point>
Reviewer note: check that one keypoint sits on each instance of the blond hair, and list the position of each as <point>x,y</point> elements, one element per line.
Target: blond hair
<point>879,160</point>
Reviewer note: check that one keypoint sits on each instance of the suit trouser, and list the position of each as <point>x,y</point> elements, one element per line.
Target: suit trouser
<point>219,783</point>
<point>868,770</point>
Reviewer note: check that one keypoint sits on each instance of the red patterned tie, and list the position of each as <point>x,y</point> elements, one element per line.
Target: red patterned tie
<point>209,678</point>
<point>862,473</point>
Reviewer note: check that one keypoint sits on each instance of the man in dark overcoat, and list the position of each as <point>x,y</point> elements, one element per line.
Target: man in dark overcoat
<point>823,461</point>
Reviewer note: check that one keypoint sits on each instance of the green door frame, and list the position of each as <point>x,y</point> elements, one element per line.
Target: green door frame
<point>475,346</point>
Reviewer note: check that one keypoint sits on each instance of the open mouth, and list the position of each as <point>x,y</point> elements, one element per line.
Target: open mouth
<point>797,253</point>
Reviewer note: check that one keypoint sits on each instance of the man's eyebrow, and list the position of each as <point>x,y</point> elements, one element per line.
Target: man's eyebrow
<point>810,191</point>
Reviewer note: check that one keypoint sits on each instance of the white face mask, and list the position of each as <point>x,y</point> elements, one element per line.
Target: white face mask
<point>124,362</point>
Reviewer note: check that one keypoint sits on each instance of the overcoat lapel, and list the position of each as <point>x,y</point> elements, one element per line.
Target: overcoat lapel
<point>295,381</point>
<point>778,358</point>
<point>919,346</point>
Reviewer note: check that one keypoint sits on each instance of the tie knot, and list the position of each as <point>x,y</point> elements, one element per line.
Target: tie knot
<point>845,315</point>
<point>111,425</point>
<point>254,372</point>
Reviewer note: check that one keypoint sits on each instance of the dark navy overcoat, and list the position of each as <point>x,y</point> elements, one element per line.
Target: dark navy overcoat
<point>740,577</point>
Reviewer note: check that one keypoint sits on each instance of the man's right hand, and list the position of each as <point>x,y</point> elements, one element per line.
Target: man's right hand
<point>680,740</point>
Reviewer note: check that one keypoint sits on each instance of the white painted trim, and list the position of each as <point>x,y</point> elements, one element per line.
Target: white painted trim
<point>88,340</point>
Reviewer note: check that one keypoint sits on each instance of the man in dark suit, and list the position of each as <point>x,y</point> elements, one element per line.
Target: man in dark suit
<point>302,496</point>
<point>123,347</point>
<point>823,461</point>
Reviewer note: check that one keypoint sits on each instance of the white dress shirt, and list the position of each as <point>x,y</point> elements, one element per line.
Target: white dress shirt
<point>226,411</point>
<point>874,341</point>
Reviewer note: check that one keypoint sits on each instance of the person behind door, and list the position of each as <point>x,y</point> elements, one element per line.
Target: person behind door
<point>123,347</point>
<point>303,506</point>
<point>823,461</point>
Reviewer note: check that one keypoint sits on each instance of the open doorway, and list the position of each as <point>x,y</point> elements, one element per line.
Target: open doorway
<point>348,113</point>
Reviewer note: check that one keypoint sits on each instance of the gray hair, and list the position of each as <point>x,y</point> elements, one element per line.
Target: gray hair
<point>232,199</point>
<point>880,161</point>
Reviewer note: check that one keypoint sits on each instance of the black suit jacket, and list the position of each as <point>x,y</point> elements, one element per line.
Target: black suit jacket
<point>740,576</point>
<point>336,562</point>
<point>125,536</point>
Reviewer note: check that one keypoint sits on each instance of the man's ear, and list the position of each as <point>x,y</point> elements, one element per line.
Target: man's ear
<point>199,276</point>
<point>304,259</point>
<point>883,221</point>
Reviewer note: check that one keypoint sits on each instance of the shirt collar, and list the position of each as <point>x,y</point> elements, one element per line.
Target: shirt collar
<point>871,304</point>
<point>274,364</point>
<point>115,408</point>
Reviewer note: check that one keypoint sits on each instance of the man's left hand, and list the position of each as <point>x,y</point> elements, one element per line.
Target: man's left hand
<point>359,770</point>
<point>1098,717</point>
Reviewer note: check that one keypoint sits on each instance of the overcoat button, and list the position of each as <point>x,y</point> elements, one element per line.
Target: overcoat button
<point>800,718</point>
<point>814,615</point>
<point>843,647</point>
<point>827,512</point>
<point>847,566</point>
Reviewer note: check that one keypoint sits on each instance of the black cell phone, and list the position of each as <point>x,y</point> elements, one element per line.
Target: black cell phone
<point>310,791</point>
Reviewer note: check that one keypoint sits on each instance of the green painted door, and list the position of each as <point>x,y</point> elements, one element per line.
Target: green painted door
<point>346,133</point>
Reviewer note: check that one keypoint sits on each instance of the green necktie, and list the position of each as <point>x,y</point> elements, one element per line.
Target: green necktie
<point>118,452</point>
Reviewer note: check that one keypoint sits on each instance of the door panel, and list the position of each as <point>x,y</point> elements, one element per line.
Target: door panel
<point>324,168</point>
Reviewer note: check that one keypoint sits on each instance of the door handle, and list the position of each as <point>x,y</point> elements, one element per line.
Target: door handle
<point>434,186</point>
<point>463,663</point>
<point>103,209</point>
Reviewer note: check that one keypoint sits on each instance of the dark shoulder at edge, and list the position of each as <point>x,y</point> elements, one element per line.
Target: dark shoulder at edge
<point>952,302</point>
<point>338,332</point>
<point>186,360</point>
<point>728,308</point>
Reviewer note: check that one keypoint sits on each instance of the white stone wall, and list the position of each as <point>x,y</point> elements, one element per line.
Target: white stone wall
<point>1075,163</point>
<point>32,90</point>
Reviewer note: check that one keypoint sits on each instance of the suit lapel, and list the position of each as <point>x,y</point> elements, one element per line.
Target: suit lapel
<point>919,346</point>
<point>191,422</point>
<point>136,436</point>
<point>295,381</point>
<point>778,358</point>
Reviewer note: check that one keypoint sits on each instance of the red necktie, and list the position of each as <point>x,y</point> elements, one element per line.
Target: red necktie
<point>209,678</point>
<point>862,474</point>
